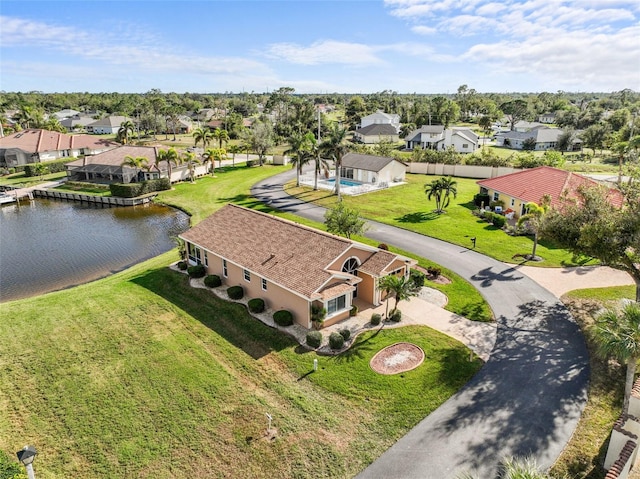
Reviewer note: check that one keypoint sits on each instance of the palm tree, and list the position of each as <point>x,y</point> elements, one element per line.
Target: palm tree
<point>533,219</point>
<point>189,157</point>
<point>213,154</point>
<point>335,147</point>
<point>441,189</point>
<point>299,145</point>
<point>203,135</point>
<point>137,163</point>
<point>234,150</point>
<point>171,157</point>
<point>617,334</point>
<point>402,288</point>
<point>125,131</point>
<point>221,135</point>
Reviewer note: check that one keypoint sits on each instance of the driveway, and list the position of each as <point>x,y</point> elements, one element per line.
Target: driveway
<point>526,400</point>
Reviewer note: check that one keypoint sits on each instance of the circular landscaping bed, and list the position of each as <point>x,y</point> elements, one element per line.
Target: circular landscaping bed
<point>397,358</point>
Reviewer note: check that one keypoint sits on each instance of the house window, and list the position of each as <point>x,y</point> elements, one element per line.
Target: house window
<point>336,304</point>
<point>351,266</point>
<point>513,201</point>
<point>496,196</point>
<point>264,284</point>
<point>206,258</point>
<point>225,272</point>
<point>465,146</point>
<point>247,275</point>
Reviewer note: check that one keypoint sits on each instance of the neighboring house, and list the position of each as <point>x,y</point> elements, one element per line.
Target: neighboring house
<point>35,146</point>
<point>66,113</point>
<point>515,190</point>
<point>381,118</point>
<point>106,126</point>
<point>183,125</point>
<point>376,133</point>
<point>547,118</point>
<point>297,267</point>
<point>524,126</point>
<point>107,167</point>
<point>79,121</point>
<point>545,139</point>
<point>372,169</point>
<point>435,137</point>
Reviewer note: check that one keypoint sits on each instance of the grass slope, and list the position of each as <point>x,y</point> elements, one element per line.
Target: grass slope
<point>140,375</point>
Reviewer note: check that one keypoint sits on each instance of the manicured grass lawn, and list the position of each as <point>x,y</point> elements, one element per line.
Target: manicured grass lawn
<point>140,375</point>
<point>406,206</point>
<point>19,180</point>
<point>585,453</point>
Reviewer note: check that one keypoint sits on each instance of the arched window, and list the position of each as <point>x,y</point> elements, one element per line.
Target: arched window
<point>351,266</point>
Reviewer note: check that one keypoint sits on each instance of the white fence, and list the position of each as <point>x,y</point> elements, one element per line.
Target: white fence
<point>463,171</point>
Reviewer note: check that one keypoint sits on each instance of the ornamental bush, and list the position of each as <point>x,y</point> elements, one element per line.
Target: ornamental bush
<point>235,292</point>
<point>196,271</point>
<point>336,341</point>
<point>212,281</point>
<point>256,305</point>
<point>499,221</point>
<point>314,339</point>
<point>345,333</point>
<point>283,317</point>
<point>417,277</point>
<point>376,319</point>
<point>353,311</point>
<point>396,316</point>
<point>182,265</point>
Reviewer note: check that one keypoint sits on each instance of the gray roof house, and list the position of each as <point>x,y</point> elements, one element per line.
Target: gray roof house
<point>545,139</point>
<point>435,137</point>
<point>375,133</point>
<point>106,126</point>
<point>372,169</point>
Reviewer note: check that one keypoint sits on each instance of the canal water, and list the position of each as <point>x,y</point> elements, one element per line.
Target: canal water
<point>48,245</point>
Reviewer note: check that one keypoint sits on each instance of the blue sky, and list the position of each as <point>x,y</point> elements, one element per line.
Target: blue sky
<point>317,46</point>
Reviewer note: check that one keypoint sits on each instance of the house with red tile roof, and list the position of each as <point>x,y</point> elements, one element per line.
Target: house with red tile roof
<point>36,146</point>
<point>288,265</point>
<point>515,190</point>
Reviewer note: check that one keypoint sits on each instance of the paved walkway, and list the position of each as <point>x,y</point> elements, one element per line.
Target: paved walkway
<point>528,397</point>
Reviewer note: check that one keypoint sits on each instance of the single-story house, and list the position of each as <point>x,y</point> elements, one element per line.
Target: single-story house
<point>107,167</point>
<point>372,169</point>
<point>381,118</point>
<point>545,139</point>
<point>376,133</point>
<point>297,267</point>
<point>106,126</point>
<point>547,118</point>
<point>36,146</point>
<point>435,137</point>
<point>515,190</point>
<point>66,113</point>
<point>79,121</point>
<point>524,126</point>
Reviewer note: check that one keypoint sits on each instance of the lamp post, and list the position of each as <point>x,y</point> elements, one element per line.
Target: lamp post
<point>26,457</point>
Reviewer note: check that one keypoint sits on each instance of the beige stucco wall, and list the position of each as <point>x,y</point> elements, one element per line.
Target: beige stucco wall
<point>509,202</point>
<point>367,288</point>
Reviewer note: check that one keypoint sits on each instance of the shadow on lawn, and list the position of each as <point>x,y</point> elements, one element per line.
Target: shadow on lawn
<point>230,321</point>
<point>417,217</point>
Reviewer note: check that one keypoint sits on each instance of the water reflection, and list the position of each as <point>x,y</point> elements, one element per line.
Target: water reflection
<point>49,245</point>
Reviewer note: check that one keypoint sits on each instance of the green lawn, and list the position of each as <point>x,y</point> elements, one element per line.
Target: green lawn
<point>19,180</point>
<point>406,206</point>
<point>140,375</point>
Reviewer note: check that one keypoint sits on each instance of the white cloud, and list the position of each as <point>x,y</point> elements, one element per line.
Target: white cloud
<point>326,51</point>
<point>422,30</point>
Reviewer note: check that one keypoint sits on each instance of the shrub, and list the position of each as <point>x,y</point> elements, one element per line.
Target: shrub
<point>336,341</point>
<point>376,319</point>
<point>480,200</point>
<point>353,311</point>
<point>417,277</point>
<point>383,246</point>
<point>283,317</point>
<point>133,190</point>
<point>318,313</point>
<point>499,221</point>
<point>488,216</point>
<point>235,292</point>
<point>197,271</point>
<point>212,281</point>
<point>345,333</point>
<point>182,265</point>
<point>251,163</point>
<point>396,316</point>
<point>314,339</point>
<point>256,305</point>
<point>434,271</point>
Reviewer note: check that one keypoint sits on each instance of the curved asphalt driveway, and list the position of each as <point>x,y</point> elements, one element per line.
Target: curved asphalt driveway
<point>528,397</point>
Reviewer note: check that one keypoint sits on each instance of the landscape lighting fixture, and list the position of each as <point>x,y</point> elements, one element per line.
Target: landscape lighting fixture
<point>26,457</point>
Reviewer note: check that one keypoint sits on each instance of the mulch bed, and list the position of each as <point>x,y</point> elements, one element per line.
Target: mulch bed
<point>397,358</point>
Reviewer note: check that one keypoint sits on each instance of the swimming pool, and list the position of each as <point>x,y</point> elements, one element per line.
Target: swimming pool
<point>345,182</point>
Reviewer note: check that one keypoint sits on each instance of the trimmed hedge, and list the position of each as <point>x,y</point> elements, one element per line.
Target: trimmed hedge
<point>133,190</point>
<point>235,292</point>
<point>353,311</point>
<point>499,221</point>
<point>182,265</point>
<point>197,271</point>
<point>55,166</point>
<point>314,339</point>
<point>256,305</point>
<point>336,341</point>
<point>376,319</point>
<point>212,281</point>
<point>283,317</point>
<point>396,316</point>
<point>345,333</point>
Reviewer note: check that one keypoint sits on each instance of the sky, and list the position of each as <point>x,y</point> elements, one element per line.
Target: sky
<point>320,46</point>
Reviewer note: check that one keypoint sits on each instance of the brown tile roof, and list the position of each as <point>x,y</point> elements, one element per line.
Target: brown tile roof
<point>532,184</point>
<point>116,156</point>
<point>286,253</point>
<point>335,289</point>
<point>37,141</point>
<point>377,263</point>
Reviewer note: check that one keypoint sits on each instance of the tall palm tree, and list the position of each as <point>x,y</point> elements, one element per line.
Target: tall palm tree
<point>334,146</point>
<point>125,131</point>
<point>617,334</point>
<point>221,135</point>
<point>171,157</point>
<point>203,135</point>
<point>440,190</point>
<point>234,150</point>
<point>299,144</point>
<point>533,219</point>
<point>137,163</point>
<point>401,287</point>
<point>189,157</point>
<point>213,155</point>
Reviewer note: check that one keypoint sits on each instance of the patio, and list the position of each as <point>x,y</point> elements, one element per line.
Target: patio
<point>347,186</point>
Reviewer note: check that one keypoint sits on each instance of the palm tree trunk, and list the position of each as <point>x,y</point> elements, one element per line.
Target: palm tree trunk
<point>338,165</point>
<point>315,179</point>
<point>628,385</point>
<point>535,245</point>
